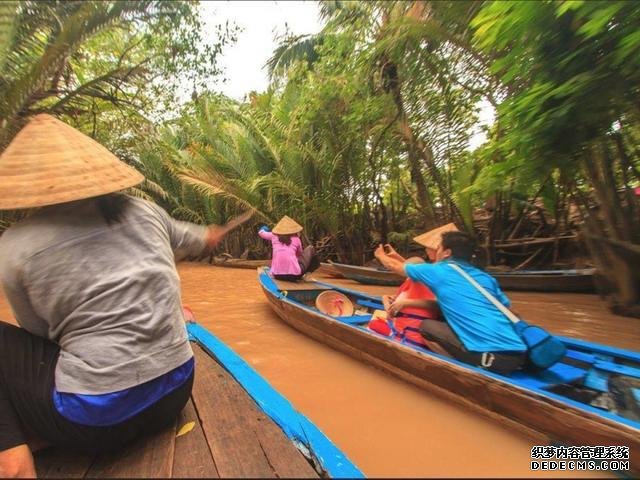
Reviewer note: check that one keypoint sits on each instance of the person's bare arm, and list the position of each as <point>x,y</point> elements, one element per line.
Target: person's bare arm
<point>215,233</point>
<point>392,264</point>
<point>398,305</point>
<point>391,252</point>
<point>387,300</point>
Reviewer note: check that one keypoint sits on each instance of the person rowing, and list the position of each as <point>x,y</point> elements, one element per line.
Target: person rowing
<point>102,357</point>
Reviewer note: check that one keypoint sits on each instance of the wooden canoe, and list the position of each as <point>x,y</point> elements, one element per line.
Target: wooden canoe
<point>239,263</point>
<point>327,268</point>
<point>558,402</point>
<point>368,275</point>
<point>234,426</point>
<point>577,281</point>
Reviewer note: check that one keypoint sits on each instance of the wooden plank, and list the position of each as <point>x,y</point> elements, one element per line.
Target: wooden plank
<point>147,457</point>
<point>192,457</point>
<point>285,458</point>
<point>223,407</point>
<point>290,286</point>
<point>243,423</point>
<point>59,463</point>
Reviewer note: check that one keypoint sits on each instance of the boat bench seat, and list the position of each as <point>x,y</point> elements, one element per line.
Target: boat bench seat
<point>611,367</point>
<point>355,319</point>
<point>601,367</point>
<point>369,304</point>
<point>555,375</point>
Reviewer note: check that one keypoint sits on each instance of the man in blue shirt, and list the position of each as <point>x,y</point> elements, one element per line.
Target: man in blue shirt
<point>475,331</point>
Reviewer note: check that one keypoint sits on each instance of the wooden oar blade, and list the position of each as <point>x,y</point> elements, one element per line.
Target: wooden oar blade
<point>237,221</point>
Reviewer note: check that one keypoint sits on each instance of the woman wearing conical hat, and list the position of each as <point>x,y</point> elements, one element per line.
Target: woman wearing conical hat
<point>289,261</point>
<point>102,356</point>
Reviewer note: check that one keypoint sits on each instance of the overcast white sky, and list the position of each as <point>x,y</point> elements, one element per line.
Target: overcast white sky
<point>260,21</point>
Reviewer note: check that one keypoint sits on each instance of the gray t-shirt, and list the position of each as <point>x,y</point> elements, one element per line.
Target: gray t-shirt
<point>108,295</point>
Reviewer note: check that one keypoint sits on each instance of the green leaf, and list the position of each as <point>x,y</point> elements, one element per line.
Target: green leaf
<point>567,6</point>
<point>600,19</point>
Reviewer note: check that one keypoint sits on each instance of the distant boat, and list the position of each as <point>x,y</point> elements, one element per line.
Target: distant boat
<point>577,281</point>
<point>240,263</point>
<point>327,268</point>
<point>586,399</point>
<point>369,275</point>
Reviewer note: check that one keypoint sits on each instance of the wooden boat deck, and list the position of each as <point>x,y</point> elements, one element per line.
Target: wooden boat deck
<point>231,438</point>
<point>301,285</point>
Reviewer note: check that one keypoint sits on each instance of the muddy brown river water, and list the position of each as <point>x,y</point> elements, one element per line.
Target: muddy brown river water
<point>388,427</point>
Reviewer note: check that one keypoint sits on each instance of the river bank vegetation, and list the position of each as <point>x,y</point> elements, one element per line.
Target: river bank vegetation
<point>364,133</point>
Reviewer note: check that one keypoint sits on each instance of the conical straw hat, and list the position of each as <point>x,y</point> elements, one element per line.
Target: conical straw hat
<point>50,162</point>
<point>334,303</point>
<point>432,238</point>
<point>287,226</point>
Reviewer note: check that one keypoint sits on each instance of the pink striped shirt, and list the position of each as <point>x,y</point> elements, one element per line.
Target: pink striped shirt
<point>285,257</point>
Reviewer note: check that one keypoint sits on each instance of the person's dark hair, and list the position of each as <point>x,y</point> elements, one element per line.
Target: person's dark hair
<point>460,244</point>
<point>112,206</point>
<point>285,239</point>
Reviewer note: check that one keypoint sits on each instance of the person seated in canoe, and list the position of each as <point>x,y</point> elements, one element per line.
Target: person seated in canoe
<point>474,331</point>
<point>289,261</point>
<point>102,357</point>
<point>404,311</point>
<point>413,301</point>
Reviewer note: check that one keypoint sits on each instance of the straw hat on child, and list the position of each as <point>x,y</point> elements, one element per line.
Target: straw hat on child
<point>433,238</point>
<point>50,162</point>
<point>287,226</point>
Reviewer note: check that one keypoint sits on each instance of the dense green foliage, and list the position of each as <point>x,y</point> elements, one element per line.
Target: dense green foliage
<point>364,134</point>
<point>99,62</point>
<point>571,111</point>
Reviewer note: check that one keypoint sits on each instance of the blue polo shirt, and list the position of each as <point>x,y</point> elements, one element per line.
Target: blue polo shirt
<point>479,325</point>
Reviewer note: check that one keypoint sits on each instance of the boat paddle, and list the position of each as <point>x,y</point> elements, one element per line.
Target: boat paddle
<point>237,221</point>
<point>217,232</point>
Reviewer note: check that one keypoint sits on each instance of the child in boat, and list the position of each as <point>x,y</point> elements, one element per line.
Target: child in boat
<point>412,303</point>
<point>289,261</point>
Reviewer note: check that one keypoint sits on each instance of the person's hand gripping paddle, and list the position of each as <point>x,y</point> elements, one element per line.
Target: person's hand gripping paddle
<point>216,233</point>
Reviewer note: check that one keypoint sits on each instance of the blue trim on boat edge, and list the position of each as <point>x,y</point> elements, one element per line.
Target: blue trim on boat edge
<point>294,424</point>
<point>268,282</point>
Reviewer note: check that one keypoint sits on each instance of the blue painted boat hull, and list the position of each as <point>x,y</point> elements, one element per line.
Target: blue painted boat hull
<point>524,400</point>
<point>303,433</point>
